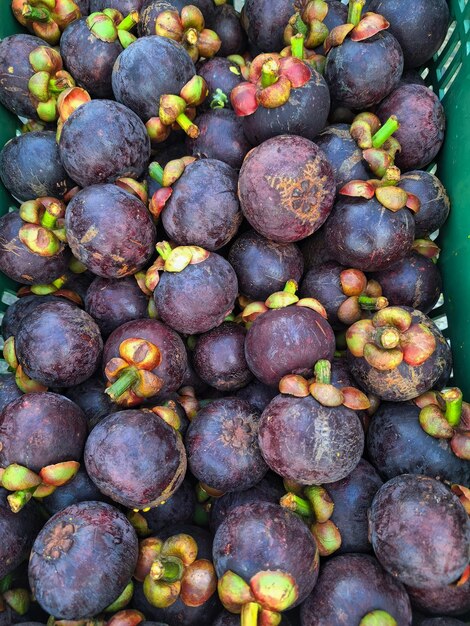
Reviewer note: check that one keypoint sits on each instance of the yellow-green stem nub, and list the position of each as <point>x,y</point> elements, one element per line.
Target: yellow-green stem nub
<point>296,504</point>
<point>156,172</point>
<point>249,614</point>
<point>269,73</point>
<point>385,132</point>
<point>453,399</point>
<point>185,123</point>
<point>291,287</point>
<point>355,11</point>
<point>297,46</point>
<point>48,220</point>
<point>169,569</point>
<point>322,371</point>
<point>128,378</point>
<point>129,21</point>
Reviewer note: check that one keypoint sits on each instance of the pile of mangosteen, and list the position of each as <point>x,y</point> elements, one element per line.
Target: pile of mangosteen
<point>224,400</point>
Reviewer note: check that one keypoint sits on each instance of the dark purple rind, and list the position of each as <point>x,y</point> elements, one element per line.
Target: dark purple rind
<point>135,458</point>
<point>58,345</point>
<point>323,283</point>
<point>222,446</point>
<point>257,394</point>
<point>95,562</point>
<point>178,509</point>
<point>124,6</point>
<point>219,73</point>
<point>20,309</point>
<point>92,399</point>
<point>409,508</point>
<point>265,20</point>
<point>226,23</point>
<point>230,619</point>
<point>9,390</point>
<point>434,201</point>
<point>349,587</point>
<point>80,489</point>
<point>449,599</point>
<point>152,8</point>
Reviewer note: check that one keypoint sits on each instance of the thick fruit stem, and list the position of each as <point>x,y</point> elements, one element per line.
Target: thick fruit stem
<point>169,569</point>
<point>129,22</point>
<point>297,46</point>
<point>453,399</point>
<point>388,338</point>
<point>296,504</point>
<point>249,614</point>
<point>186,124</point>
<point>385,132</point>
<point>156,172</point>
<point>372,303</point>
<point>269,73</point>
<point>355,10</point>
<point>128,378</point>
<point>322,372</point>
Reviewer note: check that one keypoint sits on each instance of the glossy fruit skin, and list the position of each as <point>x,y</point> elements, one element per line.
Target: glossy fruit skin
<point>263,536</point>
<point>343,153</point>
<point>365,235</point>
<point>147,477</point>
<point>203,209</point>
<point>435,203</point>
<point>30,166</point>
<point>198,298</point>
<point>18,532</point>
<point>135,82</point>
<point>58,345</point>
<point>397,444</point>
<point>113,302</point>
<point>306,442</point>
<point>219,357</point>
<point>9,390</point>
<point>304,114</point>
<point>405,382</point>
<point>352,497</point>
<point>323,283</point>
<point>124,6</point>
<point>80,489</point>
<point>226,23</point>
<point>14,92</point>
<point>257,394</point>
<point>89,59</point>
<point>420,31</point>
<point>314,249</point>
<point>264,22</point>
<point>174,359</point>
<point>361,73</point>
<point>449,599</point>
<point>297,336</point>
<point>90,160</point>
<point>264,266</point>
<point>219,73</point>
<point>286,188</point>
<point>220,137</point>
<point>19,263</point>
<point>222,446</point>
<point>404,510</point>
<point>422,124</point>
<point>110,231</point>
<point>99,550</point>
<point>178,509</point>
<point>41,429</point>
<point>90,396</point>
<point>349,587</point>
<point>268,489</point>
<point>20,309</point>
<point>415,281</point>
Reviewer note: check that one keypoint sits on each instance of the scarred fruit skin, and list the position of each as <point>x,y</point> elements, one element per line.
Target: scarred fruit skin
<point>73,343</point>
<point>262,536</point>
<point>19,263</point>
<point>149,475</point>
<point>435,203</point>
<point>91,543</point>
<point>219,357</point>
<point>422,124</point>
<point>152,8</point>
<point>110,231</point>
<point>448,599</point>
<point>18,532</point>
<point>222,446</point>
<point>286,188</point>
<point>296,337</point>
<point>41,429</point>
<point>265,21</point>
<point>405,382</point>
<point>306,442</point>
<point>397,444</point>
<point>365,235</point>
<point>174,359</point>
<point>198,298</point>
<point>349,587</point>
<point>263,266</point>
<point>408,508</point>
<point>88,158</point>
<point>135,81</point>
<point>203,209</point>
<point>30,166</point>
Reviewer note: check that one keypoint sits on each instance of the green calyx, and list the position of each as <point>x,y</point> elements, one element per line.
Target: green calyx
<point>378,618</point>
<point>219,99</point>
<point>169,569</point>
<point>102,27</point>
<point>43,232</point>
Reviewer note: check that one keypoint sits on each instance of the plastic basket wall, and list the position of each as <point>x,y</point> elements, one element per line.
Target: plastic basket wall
<point>449,76</point>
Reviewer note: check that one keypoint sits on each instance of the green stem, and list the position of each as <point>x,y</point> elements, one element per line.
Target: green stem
<point>269,74</point>
<point>164,249</point>
<point>129,21</point>
<point>48,220</point>
<point>370,303</point>
<point>128,378</point>
<point>453,399</point>
<point>201,494</point>
<point>35,14</point>
<point>300,26</point>
<point>291,287</point>
<point>322,371</point>
<point>355,10</point>
<point>249,614</point>
<point>18,499</point>
<point>185,123</point>
<point>60,282</point>
<point>201,515</point>
<point>77,266</point>
<point>385,132</point>
<point>297,46</point>
<point>156,172</point>
<point>296,504</point>
<point>169,569</point>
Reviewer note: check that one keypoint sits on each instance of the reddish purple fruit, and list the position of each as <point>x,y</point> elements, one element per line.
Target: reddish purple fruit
<point>257,394</point>
<point>448,599</point>
<point>20,309</point>
<point>353,585</point>
<point>90,543</point>
<point>422,124</point>
<point>264,22</point>
<point>435,203</point>
<point>219,357</point>
<point>286,188</point>
<point>226,23</point>
<point>148,476</point>
<point>90,396</point>
<point>222,446</point>
<point>420,531</point>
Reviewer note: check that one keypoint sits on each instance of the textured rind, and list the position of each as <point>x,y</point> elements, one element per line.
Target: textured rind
<point>408,508</point>
<point>92,568</point>
<point>349,587</point>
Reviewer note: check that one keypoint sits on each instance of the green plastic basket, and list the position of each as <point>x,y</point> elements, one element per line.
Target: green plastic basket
<point>449,76</point>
